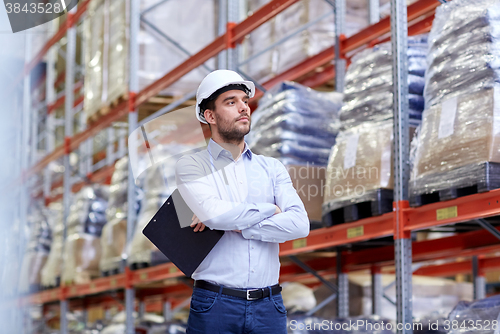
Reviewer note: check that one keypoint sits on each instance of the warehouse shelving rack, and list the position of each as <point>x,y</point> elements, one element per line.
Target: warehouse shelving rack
<point>313,72</point>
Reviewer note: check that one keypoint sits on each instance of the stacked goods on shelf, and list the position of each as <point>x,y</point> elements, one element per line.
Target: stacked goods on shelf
<point>368,94</point>
<point>458,150</point>
<point>157,183</point>
<point>480,316</point>
<point>37,251</point>
<point>359,179</point>
<point>298,126</point>
<point>51,272</point>
<point>173,23</point>
<point>295,124</point>
<point>105,45</point>
<point>114,233</point>
<point>82,248</point>
<point>163,45</point>
<point>429,295</point>
<point>309,42</point>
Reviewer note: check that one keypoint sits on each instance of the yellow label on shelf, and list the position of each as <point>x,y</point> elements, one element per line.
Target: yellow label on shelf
<point>299,243</point>
<point>144,276</point>
<point>113,282</point>
<point>172,270</point>
<point>446,213</point>
<point>54,295</point>
<point>92,286</point>
<point>354,232</point>
<point>73,290</point>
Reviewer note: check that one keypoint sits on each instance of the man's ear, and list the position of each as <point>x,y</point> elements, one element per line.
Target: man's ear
<point>209,116</point>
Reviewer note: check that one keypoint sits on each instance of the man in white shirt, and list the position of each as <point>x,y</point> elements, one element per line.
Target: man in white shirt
<point>252,199</point>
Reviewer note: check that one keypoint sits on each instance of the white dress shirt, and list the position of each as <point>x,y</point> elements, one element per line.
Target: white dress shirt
<point>241,195</point>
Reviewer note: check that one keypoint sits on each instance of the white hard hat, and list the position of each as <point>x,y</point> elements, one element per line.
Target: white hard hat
<point>215,81</point>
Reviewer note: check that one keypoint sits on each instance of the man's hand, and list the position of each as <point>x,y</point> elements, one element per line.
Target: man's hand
<point>197,224</point>
<point>278,210</point>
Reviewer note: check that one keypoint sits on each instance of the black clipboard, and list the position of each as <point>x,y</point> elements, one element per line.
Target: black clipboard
<point>181,245</point>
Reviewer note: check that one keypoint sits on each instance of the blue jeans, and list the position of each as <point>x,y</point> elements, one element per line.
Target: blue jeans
<point>212,313</point>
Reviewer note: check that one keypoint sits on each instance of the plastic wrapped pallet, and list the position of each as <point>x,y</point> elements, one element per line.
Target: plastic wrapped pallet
<point>295,124</point>
<point>458,145</point>
<point>174,18</point>
<point>94,54</point>
<point>464,49</point>
<point>114,233</point>
<point>37,251</point>
<point>156,191</point>
<point>478,317</point>
<point>307,43</point>
<point>368,95</point>
<point>360,164</point>
<point>82,248</point>
<point>51,272</point>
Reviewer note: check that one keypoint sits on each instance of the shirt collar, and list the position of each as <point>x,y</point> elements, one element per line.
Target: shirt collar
<point>215,149</point>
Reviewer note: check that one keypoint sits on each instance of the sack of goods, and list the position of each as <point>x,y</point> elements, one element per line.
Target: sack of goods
<point>368,94</point>
<point>51,272</point>
<point>476,317</point>
<point>295,124</point>
<point>458,149</point>
<point>114,233</point>
<point>360,170</point>
<point>37,252</point>
<point>82,248</point>
<point>359,179</point>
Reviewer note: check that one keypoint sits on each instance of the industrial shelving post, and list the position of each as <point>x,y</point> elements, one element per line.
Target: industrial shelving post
<point>132,124</point>
<point>402,239</point>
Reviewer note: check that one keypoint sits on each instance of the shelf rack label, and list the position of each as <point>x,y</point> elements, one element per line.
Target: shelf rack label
<point>299,243</point>
<point>354,232</point>
<point>446,213</point>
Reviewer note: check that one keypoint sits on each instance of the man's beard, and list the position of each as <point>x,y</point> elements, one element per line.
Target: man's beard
<point>228,130</point>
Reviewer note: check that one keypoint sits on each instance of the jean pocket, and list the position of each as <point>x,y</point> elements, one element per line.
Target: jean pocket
<point>278,303</point>
<point>200,304</point>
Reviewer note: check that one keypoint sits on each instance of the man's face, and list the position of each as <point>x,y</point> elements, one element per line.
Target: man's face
<point>232,115</point>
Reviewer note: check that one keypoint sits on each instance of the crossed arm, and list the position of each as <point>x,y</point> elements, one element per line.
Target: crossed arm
<point>285,220</point>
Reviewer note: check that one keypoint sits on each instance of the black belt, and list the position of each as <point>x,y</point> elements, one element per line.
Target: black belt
<point>251,294</point>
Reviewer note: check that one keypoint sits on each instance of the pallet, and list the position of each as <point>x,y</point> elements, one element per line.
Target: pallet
<point>157,258</point>
<point>487,178</point>
<point>111,272</point>
<point>104,110</point>
<point>378,202</point>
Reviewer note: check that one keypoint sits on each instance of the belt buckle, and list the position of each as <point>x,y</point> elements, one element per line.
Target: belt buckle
<point>248,294</point>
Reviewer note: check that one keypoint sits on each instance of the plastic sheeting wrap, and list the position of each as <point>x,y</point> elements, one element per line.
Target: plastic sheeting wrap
<point>295,124</point>
<point>176,19</point>
<point>307,43</point>
<point>156,192</point>
<point>476,317</point>
<point>51,272</point>
<point>37,251</point>
<point>114,233</point>
<point>82,249</point>
<point>368,95</point>
<point>360,162</point>
<point>457,137</point>
<point>464,49</point>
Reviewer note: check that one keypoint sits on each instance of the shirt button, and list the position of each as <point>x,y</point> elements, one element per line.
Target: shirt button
<point>241,182</point>
<point>253,247</point>
<point>251,237</point>
<point>274,239</point>
<point>253,270</point>
<point>248,225</point>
